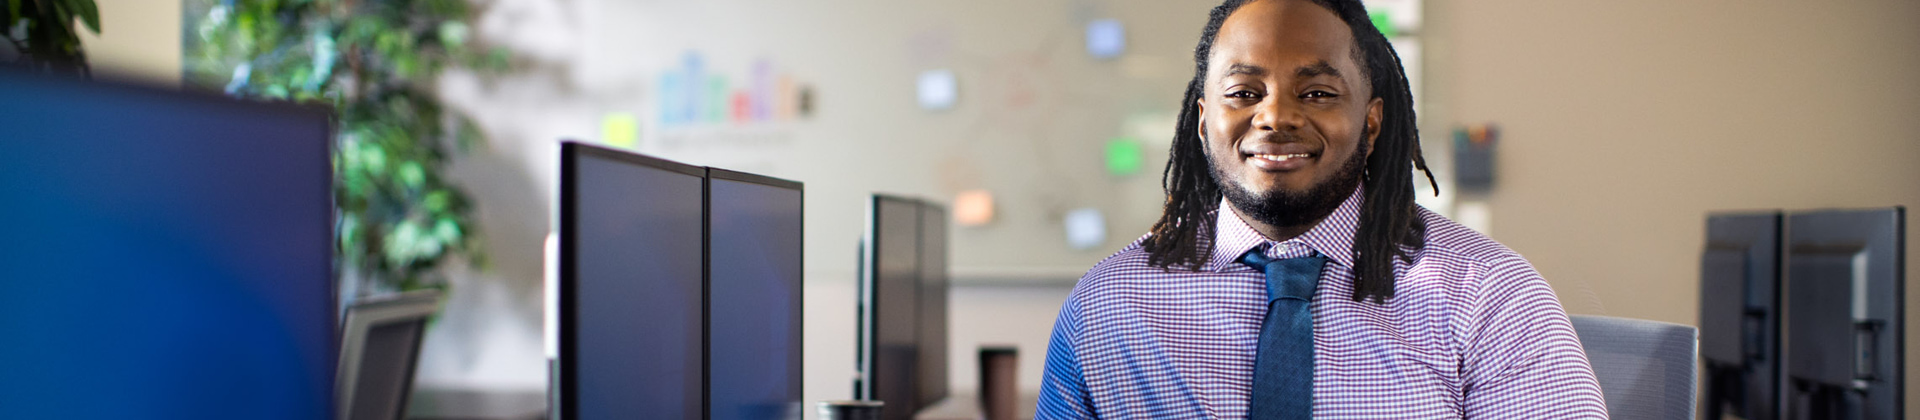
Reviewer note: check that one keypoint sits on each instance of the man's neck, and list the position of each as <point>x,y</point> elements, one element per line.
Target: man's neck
<point>1272,232</point>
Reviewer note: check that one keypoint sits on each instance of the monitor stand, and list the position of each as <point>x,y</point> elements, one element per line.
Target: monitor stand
<point>1821,401</point>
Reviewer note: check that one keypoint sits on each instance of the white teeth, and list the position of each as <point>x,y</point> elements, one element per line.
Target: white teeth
<point>1281,157</point>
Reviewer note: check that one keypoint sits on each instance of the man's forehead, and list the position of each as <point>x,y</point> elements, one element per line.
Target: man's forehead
<point>1283,36</point>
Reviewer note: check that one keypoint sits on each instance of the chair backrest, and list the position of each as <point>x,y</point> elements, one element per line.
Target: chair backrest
<point>1646,368</point>
<point>380,344</point>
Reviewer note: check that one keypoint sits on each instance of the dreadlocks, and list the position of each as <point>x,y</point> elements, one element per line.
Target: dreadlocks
<point>1389,227</point>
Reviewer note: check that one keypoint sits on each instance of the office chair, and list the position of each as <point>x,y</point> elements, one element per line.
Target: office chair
<point>379,345</point>
<point>1646,368</point>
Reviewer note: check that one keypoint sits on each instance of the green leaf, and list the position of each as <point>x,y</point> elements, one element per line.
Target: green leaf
<point>412,175</point>
<point>89,13</point>
<point>446,230</point>
<point>453,33</point>
<point>436,201</point>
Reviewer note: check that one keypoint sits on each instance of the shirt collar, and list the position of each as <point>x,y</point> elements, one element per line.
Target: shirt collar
<point>1333,237</point>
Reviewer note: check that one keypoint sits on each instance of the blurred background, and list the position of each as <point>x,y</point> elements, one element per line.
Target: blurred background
<point>1591,137</point>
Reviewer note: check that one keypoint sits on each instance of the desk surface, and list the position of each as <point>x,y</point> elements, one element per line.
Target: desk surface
<point>967,407</point>
<point>468,404</point>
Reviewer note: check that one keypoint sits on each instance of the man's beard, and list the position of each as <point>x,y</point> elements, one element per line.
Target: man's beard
<point>1283,208</point>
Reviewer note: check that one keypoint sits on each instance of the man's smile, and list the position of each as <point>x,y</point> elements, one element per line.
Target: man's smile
<point>1287,156</point>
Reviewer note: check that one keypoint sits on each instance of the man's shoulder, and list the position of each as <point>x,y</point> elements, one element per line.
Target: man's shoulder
<point>1130,260</point>
<point>1450,241</point>
<point>1130,266</point>
<point>1455,248</point>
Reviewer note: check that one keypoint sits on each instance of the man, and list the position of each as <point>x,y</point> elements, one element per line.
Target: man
<point>1291,276</point>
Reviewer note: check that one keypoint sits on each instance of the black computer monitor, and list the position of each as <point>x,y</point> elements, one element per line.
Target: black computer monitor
<point>932,326</point>
<point>379,352</point>
<point>632,270</point>
<point>167,255</point>
<point>1845,314</point>
<point>890,307</point>
<point>754,275</point>
<point>1740,316</point>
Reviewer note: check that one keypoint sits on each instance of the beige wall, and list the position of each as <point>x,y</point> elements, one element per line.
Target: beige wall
<point>139,39</point>
<point>1627,121</point>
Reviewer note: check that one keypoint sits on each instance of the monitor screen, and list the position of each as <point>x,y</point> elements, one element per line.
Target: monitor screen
<point>932,326</point>
<point>754,297</point>
<point>167,255</point>
<point>631,286</point>
<point>892,294</point>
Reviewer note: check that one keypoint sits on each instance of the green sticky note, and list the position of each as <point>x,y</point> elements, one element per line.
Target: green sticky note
<point>1124,156</point>
<point>620,129</point>
<point>1382,21</point>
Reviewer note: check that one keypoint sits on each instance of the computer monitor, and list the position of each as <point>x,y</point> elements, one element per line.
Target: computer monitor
<point>168,255</point>
<point>753,316</point>
<point>379,348</point>
<point>1845,314</point>
<point>932,326</point>
<point>890,307</point>
<point>1740,316</point>
<point>632,270</point>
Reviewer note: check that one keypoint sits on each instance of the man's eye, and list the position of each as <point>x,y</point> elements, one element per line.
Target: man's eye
<point>1319,94</point>
<point>1242,94</point>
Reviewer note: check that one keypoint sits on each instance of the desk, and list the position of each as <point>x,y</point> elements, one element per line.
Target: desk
<point>470,404</point>
<point>967,407</point>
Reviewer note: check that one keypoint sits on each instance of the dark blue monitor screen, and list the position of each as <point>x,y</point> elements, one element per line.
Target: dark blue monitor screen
<point>754,286</point>
<point>631,277</point>
<point>166,255</point>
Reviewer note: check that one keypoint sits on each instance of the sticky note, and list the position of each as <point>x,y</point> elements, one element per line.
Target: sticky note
<point>1106,38</point>
<point>620,129</point>
<point>1124,156</point>
<point>938,89</point>
<point>1382,20</point>
<point>1086,228</point>
<point>973,208</point>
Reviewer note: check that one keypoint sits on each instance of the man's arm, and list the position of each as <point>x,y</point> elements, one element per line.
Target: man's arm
<point>1523,360</point>
<point>1063,389</point>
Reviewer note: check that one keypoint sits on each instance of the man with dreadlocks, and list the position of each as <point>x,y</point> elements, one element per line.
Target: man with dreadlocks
<point>1291,275</point>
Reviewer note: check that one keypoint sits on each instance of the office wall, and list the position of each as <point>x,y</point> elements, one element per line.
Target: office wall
<point>138,40</point>
<point>1625,122</point>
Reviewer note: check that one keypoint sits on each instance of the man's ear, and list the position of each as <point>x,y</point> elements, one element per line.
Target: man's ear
<point>1200,124</point>
<point>1374,109</point>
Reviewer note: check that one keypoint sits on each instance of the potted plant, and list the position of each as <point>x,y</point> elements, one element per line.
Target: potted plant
<point>400,218</point>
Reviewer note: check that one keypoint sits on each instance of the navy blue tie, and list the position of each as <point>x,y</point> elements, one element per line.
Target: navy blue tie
<point>1283,366</point>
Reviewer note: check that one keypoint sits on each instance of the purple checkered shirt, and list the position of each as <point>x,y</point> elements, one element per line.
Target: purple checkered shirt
<point>1472,331</point>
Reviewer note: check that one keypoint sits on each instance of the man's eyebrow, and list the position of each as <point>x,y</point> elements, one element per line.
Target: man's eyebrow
<point>1246,69</point>
<point>1321,68</point>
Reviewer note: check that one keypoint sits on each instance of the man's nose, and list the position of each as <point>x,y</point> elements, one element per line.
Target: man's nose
<point>1278,113</point>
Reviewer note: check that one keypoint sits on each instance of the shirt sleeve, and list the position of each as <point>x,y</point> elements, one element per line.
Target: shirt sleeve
<point>1063,389</point>
<point>1522,357</point>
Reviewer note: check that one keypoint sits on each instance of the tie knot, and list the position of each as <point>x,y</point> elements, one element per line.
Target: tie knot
<point>1293,278</point>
